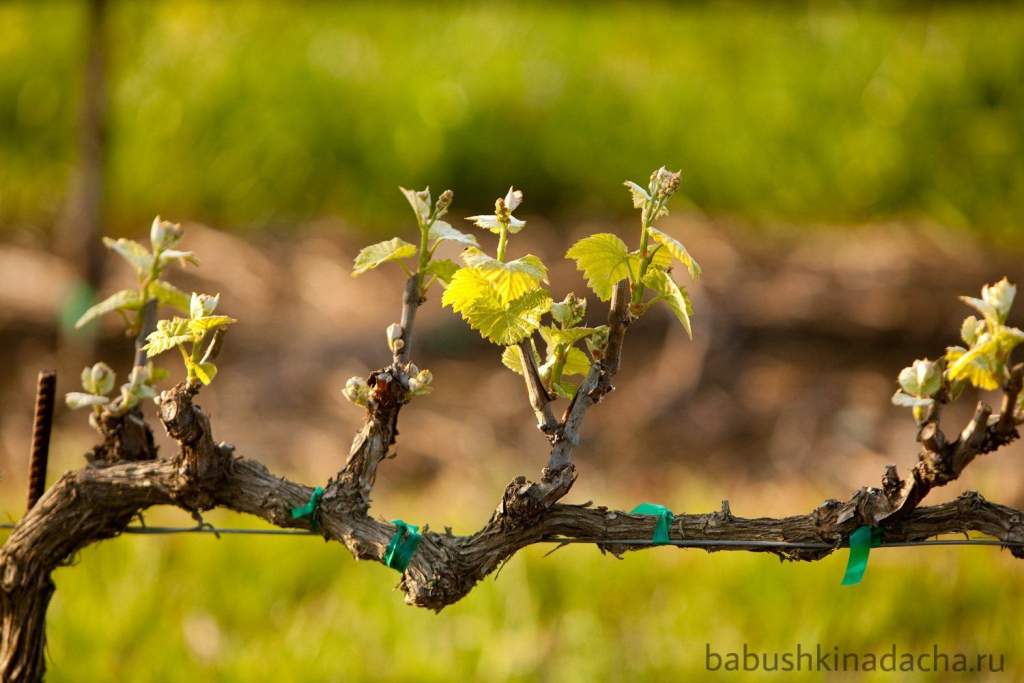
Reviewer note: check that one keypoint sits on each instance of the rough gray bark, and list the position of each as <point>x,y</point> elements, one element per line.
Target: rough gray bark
<point>98,502</point>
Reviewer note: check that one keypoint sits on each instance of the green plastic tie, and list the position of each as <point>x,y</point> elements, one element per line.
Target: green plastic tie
<point>76,303</point>
<point>663,524</point>
<point>308,511</point>
<point>402,545</point>
<point>861,542</point>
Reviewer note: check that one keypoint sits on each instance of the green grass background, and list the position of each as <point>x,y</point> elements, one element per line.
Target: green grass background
<point>301,610</point>
<point>263,115</point>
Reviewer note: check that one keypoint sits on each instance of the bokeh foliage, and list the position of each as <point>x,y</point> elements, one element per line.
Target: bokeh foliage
<point>268,114</point>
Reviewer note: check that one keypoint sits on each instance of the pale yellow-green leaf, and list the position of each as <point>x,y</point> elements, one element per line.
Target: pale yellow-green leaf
<point>554,336</point>
<point>125,300</point>
<point>921,379</point>
<point>466,286</point>
<point>167,335</point>
<point>382,252</point>
<point>78,399</point>
<point>971,329</point>
<point>512,359</point>
<point>183,258</point>
<point>511,279</point>
<point>604,260</point>
<point>1000,297</point>
<point>907,401</point>
<point>576,363</point>
<point>640,195</point>
<point>419,200</point>
<point>441,231</point>
<point>205,372</point>
<point>986,309</point>
<point>132,252</point>
<point>676,249</point>
<point>443,269</point>
<point>169,295</point>
<point>974,366</point>
<point>198,326</point>
<point>476,299</point>
<point>673,295</point>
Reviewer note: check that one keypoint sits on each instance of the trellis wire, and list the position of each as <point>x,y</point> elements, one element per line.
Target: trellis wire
<point>637,542</point>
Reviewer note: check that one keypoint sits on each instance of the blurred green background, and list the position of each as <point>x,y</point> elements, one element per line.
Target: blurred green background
<point>291,124</point>
<point>254,115</point>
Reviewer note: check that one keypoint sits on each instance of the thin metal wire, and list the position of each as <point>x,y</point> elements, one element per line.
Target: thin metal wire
<point>640,542</point>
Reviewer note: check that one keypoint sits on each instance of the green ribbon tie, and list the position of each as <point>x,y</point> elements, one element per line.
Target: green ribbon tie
<point>663,524</point>
<point>402,545</point>
<point>76,303</point>
<point>309,509</point>
<point>861,542</point>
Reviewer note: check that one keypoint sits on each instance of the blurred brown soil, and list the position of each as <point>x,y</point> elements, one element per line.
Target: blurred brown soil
<point>797,341</point>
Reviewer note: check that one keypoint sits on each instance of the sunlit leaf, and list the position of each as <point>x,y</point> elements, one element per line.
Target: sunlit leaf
<point>169,295</point>
<point>676,249</point>
<point>569,336</point>
<point>921,379</point>
<point>476,299</point>
<point>443,269</point>
<point>125,300</point>
<point>78,399</point>
<point>419,200</point>
<point>382,252</point>
<point>604,260</point>
<point>640,195</point>
<point>441,231</point>
<point>205,372</point>
<point>511,279</point>
<point>132,252</point>
<point>673,295</point>
<point>908,401</point>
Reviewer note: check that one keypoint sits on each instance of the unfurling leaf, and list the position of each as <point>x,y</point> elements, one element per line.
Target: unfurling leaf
<point>125,300</point>
<point>971,330</point>
<point>357,391</point>
<point>98,379</point>
<point>419,201</point>
<point>201,305</point>
<point>921,406</point>
<point>490,222</point>
<point>511,279</point>
<point>164,234</point>
<point>167,335</point>
<point>132,252</point>
<point>576,363</point>
<point>553,336</point>
<point>604,260</point>
<point>205,372</point>
<point>513,198</point>
<point>673,295</point>
<point>442,269</point>
<point>78,399</point>
<point>676,249</point>
<point>1000,297</point>
<point>441,231</point>
<point>420,384</point>
<point>922,379</point>
<point>597,342</point>
<point>972,366</point>
<point>382,252</point>
<point>169,295</point>
<point>569,311</point>
<point>183,258</point>
<point>640,195</point>
<point>986,309</point>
